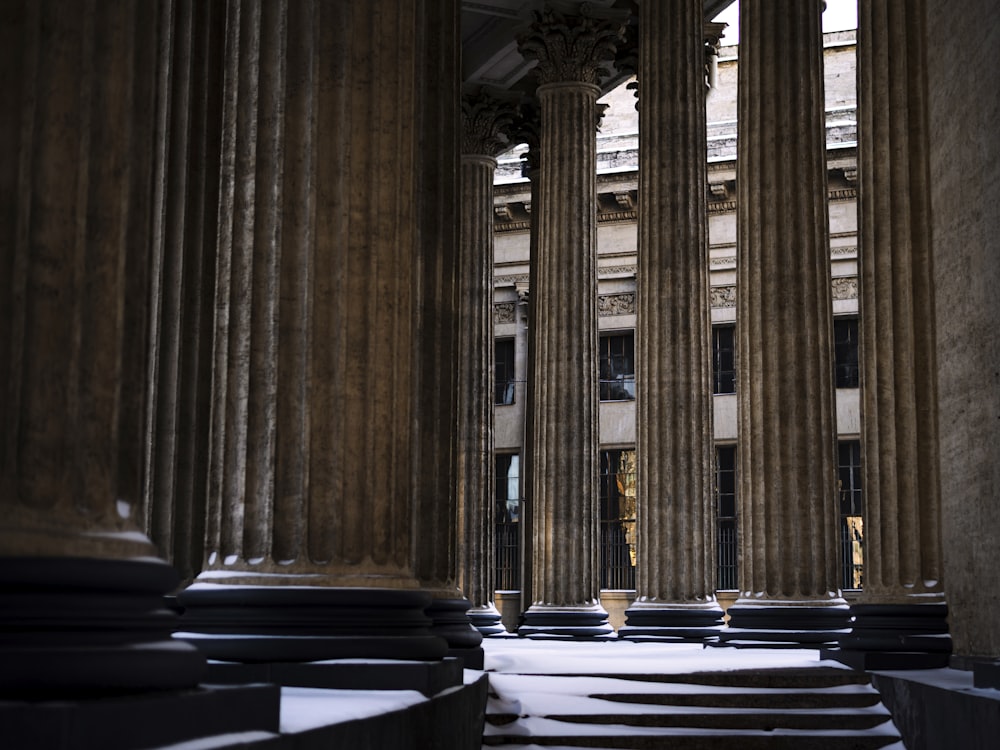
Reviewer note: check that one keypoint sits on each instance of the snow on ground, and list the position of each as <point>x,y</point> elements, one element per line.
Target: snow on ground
<point>525,656</point>
<point>307,708</point>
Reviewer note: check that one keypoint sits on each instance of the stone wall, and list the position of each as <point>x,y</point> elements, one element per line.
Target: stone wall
<point>964,109</point>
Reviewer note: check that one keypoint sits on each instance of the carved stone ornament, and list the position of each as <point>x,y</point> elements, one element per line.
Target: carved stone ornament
<point>487,122</point>
<point>616,304</point>
<point>723,296</point>
<point>571,47</point>
<point>503,312</point>
<point>845,287</point>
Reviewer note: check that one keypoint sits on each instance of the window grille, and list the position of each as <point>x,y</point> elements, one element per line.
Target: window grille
<point>504,372</point>
<point>845,349</point>
<point>725,493</point>
<point>507,556</point>
<point>617,367</point>
<point>617,501</point>
<point>723,359</point>
<point>851,514</point>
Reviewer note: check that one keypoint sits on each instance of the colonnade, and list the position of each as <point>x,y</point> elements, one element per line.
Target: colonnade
<point>229,324</point>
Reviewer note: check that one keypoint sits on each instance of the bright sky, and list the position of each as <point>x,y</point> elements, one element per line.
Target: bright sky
<point>839,15</point>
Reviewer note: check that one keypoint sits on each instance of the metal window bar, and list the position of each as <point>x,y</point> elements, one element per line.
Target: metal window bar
<point>845,350</point>
<point>503,372</point>
<point>617,523</point>
<point>727,562</point>
<point>723,360</point>
<point>851,515</point>
<point>507,527</point>
<point>617,367</point>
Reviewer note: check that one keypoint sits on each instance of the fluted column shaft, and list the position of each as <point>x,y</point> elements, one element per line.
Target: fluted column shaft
<point>674,560</point>
<point>80,585</point>
<point>186,202</point>
<point>787,429</point>
<point>317,437</point>
<point>902,606</point>
<point>564,323</point>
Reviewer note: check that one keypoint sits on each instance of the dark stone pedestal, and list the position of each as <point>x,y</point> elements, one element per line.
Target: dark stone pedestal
<point>565,623</point>
<point>987,675</point>
<point>895,636</point>
<point>667,624</point>
<point>128,722</point>
<point>268,625</point>
<point>784,627</point>
<point>88,626</point>
<point>450,620</point>
<point>488,622</point>
<point>427,677</point>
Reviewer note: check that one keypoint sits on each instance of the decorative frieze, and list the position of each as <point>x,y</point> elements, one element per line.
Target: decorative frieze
<point>845,287</point>
<point>503,312</point>
<point>723,296</point>
<point>616,304</point>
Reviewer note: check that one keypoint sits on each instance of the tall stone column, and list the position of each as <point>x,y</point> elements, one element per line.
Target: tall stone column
<point>675,591</point>
<point>569,50</point>
<point>81,588</point>
<point>486,119</point>
<point>313,506</point>
<point>902,607</point>
<point>787,426</point>
<point>182,266</point>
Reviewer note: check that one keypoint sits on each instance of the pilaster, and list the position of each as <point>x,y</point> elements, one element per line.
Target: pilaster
<point>570,51</point>
<point>787,430</point>
<point>900,618</point>
<point>675,593</point>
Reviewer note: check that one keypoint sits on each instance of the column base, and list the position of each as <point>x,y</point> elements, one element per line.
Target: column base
<point>90,627</point>
<point>778,625</point>
<point>895,636</point>
<point>450,620</point>
<point>262,624</point>
<point>427,677</point>
<point>678,623</point>
<point>487,620</point>
<point>544,621</point>
<point>129,722</point>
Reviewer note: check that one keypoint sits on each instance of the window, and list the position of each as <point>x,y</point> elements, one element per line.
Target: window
<point>851,514</point>
<point>507,521</point>
<point>725,494</point>
<point>617,500</point>
<point>504,372</point>
<point>617,367</point>
<point>845,352</point>
<point>723,359</point>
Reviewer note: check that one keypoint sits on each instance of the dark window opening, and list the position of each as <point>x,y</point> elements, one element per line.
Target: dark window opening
<point>617,500</point>
<point>507,522</point>
<point>617,367</point>
<point>504,372</point>
<point>851,514</point>
<point>845,349</point>
<point>725,494</point>
<point>723,359</point>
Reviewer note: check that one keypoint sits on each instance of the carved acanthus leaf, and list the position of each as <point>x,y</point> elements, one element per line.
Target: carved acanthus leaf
<point>488,120</point>
<point>570,47</point>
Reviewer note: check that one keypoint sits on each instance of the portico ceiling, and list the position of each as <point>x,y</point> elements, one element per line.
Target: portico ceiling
<point>489,46</point>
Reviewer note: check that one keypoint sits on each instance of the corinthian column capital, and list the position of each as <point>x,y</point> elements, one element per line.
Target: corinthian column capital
<point>572,46</point>
<point>487,122</point>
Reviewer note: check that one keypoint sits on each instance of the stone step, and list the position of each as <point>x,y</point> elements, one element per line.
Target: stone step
<point>643,738</point>
<point>766,720</point>
<point>821,677</point>
<point>849,696</point>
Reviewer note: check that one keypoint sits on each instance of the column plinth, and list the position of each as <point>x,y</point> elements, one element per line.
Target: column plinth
<point>786,417</point>
<point>675,595</point>
<point>570,51</point>
<point>900,618</point>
